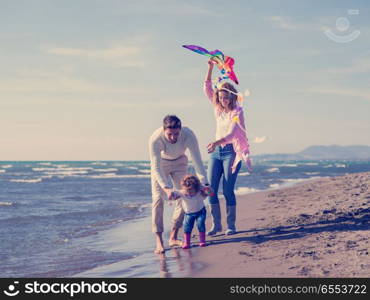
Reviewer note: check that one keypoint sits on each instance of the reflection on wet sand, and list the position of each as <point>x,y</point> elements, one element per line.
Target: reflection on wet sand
<point>177,262</point>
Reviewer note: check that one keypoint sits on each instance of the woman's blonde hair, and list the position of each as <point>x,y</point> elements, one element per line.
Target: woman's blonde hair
<point>232,95</point>
<point>190,182</point>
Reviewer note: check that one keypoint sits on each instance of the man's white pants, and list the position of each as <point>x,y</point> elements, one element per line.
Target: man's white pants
<point>176,170</point>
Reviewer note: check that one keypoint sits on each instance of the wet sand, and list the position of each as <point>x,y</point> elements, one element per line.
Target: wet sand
<point>319,228</point>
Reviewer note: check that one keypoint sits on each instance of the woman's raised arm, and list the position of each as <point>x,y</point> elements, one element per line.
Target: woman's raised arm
<point>208,81</point>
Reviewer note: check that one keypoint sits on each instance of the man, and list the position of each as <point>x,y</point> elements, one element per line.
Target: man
<point>167,146</point>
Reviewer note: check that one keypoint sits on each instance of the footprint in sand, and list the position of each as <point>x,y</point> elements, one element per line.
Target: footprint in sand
<point>351,245</point>
<point>304,271</point>
<point>325,272</point>
<point>245,253</point>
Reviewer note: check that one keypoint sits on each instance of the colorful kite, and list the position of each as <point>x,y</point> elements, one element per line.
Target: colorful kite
<point>224,63</point>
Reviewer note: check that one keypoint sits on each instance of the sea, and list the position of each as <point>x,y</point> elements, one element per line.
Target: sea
<point>92,218</point>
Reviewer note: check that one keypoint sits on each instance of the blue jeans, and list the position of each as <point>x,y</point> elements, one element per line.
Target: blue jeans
<point>220,163</point>
<point>199,216</point>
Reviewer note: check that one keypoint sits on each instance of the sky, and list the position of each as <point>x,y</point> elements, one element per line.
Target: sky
<point>92,79</point>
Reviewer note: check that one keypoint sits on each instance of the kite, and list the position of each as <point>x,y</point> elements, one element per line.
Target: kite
<point>224,63</point>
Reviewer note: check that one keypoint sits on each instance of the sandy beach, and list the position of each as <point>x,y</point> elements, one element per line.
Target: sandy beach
<point>319,228</point>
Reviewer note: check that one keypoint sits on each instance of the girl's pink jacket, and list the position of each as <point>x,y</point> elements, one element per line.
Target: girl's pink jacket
<point>237,134</point>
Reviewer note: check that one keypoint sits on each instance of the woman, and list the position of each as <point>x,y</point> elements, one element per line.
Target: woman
<point>227,151</point>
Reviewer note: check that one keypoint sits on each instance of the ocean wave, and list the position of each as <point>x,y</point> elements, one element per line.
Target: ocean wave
<point>145,171</point>
<point>139,206</point>
<point>274,186</point>
<point>328,166</point>
<point>98,163</point>
<point>284,165</point>
<point>27,180</point>
<point>65,173</point>
<point>45,163</point>
<point>2,171</point>
<point>62,172</point>
<point>340,165</point>
<point>62,169</point>
<point>310,164</point>
<point>295,179</point>
<point>113,175</point>
<point>311,173</point>
<point>273,170</point>
<point>245,190</point>
<point>118,165</point>
<point>132,168</point>
<point>144,164</point>
<point>6,166</point>
<point>6,203</point>
<point>243,174</point>
<point>106,170</point>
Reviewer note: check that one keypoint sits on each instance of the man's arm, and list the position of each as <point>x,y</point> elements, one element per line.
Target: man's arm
<point>193,146</point>
<point>155,149</point>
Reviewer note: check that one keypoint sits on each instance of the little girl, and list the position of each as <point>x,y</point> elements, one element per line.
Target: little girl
<point>192,197</point>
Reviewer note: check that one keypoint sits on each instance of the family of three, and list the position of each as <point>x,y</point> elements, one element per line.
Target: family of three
<point>171,181</point>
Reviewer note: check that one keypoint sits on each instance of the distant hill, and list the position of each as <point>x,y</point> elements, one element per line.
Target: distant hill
<point>333,152</point>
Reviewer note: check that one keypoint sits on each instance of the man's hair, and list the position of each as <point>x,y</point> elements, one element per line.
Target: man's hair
<point>171,122</point>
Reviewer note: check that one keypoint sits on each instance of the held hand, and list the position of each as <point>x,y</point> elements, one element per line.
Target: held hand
<point>207,191</point>
<point>168,192</point>
<point>171,195</point>
<point>175,195</point>
<point>211,147</point>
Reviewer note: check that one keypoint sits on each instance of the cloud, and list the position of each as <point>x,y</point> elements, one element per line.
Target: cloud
<point>121,55</point>
<point>259,140</point>
<point>167,7</point>
<point>284,23</point>
<point>365,94</point>
<point>280,22</point>
<point>359,65</point>
<point>39,80</point>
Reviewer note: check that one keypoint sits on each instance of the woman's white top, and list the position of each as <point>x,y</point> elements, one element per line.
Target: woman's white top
<point>223,125</point>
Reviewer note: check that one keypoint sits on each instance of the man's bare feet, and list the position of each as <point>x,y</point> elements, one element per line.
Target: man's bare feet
<point>174,243</point>
<point>159,250</point>
<point>159,244</point>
